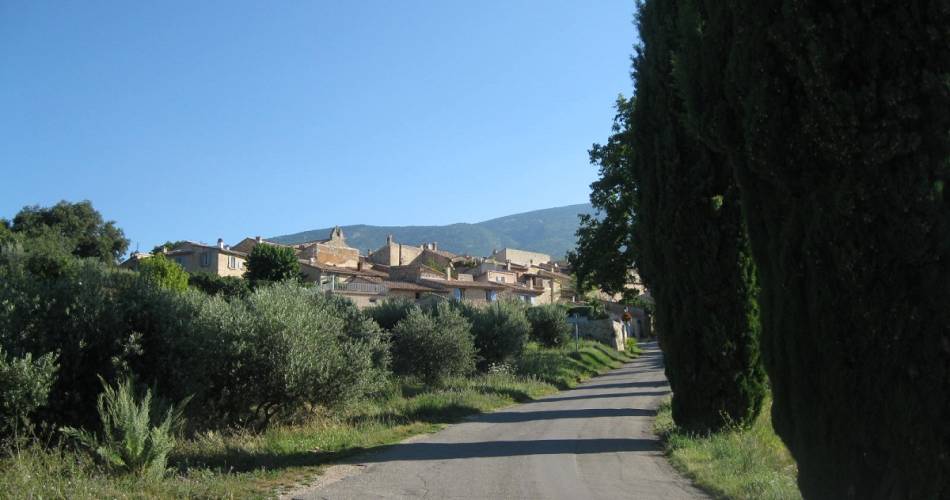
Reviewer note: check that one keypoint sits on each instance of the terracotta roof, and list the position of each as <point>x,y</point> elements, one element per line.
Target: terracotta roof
<point>185,251</point>
<point>343,270</point>
<point>405,285</point>
<point>445,284</point>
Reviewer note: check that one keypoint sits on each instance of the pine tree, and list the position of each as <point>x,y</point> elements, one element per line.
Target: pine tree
<point>691,246</point>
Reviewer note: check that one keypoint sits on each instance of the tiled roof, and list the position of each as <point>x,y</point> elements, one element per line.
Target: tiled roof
<point>405,285</point>
<point>343,270</point>
<point>445,284</point>
<point>185,251</point>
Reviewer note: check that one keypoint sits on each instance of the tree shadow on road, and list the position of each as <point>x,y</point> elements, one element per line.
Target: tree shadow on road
<point>454,451</point>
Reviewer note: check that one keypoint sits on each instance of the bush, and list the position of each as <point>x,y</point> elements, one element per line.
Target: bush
<point>24,386</point>
<point>100,321</point>
<point>391,311</point>
<point>229,287</point>
<point>433,346</point>
<point>549,325</point>
<point>164,273</point>
<point>272,263</point>
<point>133,439</point>
<point>267,357</point>
<point>501,330</point>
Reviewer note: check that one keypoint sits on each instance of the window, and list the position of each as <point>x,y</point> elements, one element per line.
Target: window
<point>180,261</point>
<point>418,295</point>
<point>205,259</point>
<point>500,279</point>
<point>232,262</point>
<point>459,294</point>
<point>491,295</point>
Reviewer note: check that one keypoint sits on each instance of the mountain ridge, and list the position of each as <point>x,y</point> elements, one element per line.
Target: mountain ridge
<point>549,230</point>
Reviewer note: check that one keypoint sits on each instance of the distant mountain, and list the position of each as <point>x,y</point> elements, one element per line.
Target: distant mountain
<point>550,231</point>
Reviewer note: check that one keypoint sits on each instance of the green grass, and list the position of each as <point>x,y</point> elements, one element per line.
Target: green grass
<point>564,367</point>
<point>261,465</point>
<point>750,463</point>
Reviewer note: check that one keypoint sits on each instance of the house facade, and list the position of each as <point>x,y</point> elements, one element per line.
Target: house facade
<point>215,259</point>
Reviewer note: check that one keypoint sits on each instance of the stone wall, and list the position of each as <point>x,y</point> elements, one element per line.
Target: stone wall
<point>607,331</point>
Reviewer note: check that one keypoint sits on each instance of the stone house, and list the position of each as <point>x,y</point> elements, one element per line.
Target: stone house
<point>520,257</point>
<point>215,259</point>
<point>332,251</point>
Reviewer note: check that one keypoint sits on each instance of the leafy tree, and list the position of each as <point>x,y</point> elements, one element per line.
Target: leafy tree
<point>100,320</point>
<point>272,263</point>
<point>228,287</point>
<point>169,245</point>
<point>549,325</point>
<point>433,346</point>
<point>81,227</point>
<point>7,236</point>
<point>690,244</point>
<point>845,138</point>
<point>604,252</point>
<point>501,330</point>
<point>391,311</point>
<point>164,273</point>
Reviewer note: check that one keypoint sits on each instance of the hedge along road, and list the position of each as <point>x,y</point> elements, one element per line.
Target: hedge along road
<point>594,441</point>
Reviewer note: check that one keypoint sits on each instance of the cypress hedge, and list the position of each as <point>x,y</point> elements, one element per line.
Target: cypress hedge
<point>691,246</point>
<point>846,133</point>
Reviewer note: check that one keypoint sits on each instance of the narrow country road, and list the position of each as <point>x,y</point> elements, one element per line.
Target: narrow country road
<point>595,441</point>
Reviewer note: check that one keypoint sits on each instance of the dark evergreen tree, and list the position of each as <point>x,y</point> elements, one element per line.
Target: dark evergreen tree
<point>846,135</point>
<point>690,244</point>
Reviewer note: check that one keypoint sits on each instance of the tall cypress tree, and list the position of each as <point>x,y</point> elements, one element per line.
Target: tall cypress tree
<point>691,245</point>
<point>845,130</point>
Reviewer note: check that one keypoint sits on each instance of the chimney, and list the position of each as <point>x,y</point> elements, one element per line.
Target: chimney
<point>435,245</point>
<point>448,272</point>
<point>258,239</point>
<point>220,243</point>
<point>389,239</point>
<point>508,264</point>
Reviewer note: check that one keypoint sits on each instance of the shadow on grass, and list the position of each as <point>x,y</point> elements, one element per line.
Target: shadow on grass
<point>560,371</point>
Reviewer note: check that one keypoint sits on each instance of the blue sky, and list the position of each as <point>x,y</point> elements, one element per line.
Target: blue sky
<point>199,120</point>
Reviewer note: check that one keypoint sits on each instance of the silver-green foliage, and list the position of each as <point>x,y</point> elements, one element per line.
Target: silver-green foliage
<point>433,346</point>
<point>24,386</point>
<point>283,348</point>
<point>133,440</point>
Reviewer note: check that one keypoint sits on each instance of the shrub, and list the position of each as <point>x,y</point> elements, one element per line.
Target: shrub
<point>433,346</point>
<point>165,273</point>
<point>267,357</point>
<point>228,287</point>
<point>549,325</point>
<point>391,311</point>
<point>25,384</point>
<point>501,330</point>
<point>133,439</point>
<point>272,263</point>
<point>100,321</point>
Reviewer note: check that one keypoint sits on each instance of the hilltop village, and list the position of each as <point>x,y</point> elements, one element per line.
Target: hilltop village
<point>394,270</point>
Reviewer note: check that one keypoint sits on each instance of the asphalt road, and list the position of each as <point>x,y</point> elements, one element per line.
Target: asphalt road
<point>595,441</point>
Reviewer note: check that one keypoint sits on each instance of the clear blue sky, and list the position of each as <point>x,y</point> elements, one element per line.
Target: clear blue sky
<point>199,120</point>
